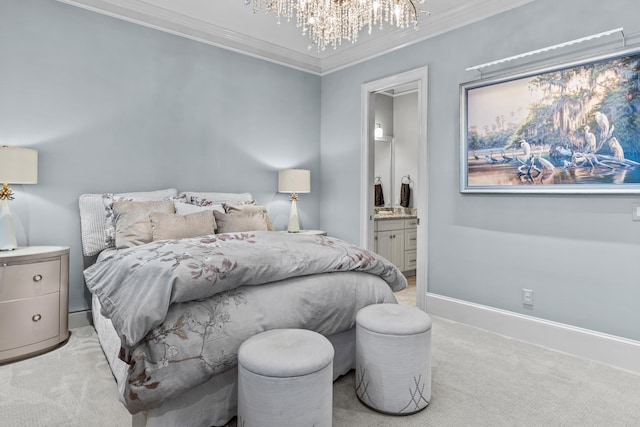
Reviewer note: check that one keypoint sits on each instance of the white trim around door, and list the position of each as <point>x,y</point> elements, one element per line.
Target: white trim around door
<point>368,91</point>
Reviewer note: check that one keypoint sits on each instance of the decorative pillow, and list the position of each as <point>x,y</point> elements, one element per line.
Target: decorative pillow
<point>240,221</point>
<point>250,209</point>
<point>182,197</point>
<point>132,225</point>
<point>206,199</point>
<point>93,211</point>
<point>109,198</point>
<point>173,226</point>
<point>197,201</point>
<point>187,208</point>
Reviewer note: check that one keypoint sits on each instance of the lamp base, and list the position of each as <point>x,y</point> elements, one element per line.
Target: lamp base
<point>7,232</point>
<point>294,225</point>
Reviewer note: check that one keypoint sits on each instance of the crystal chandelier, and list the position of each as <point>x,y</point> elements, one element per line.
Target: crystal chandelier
<point>328,22</point>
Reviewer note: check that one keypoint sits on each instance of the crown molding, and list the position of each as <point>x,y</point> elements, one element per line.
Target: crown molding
<point>430,26</point>
<point>152,16</point>
<point>162,19</point>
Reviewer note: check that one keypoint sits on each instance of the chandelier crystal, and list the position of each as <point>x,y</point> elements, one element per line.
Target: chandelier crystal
<point>328,22</point>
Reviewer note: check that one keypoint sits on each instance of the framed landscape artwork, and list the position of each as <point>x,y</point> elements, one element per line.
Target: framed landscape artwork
<point>574,128</point>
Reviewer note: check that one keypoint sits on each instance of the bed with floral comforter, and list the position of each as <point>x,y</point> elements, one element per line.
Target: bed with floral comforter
<point>183,307</point>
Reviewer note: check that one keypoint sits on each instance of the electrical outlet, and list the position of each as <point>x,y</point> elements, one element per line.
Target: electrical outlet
<point>635,211</point>
<point>527,297</point>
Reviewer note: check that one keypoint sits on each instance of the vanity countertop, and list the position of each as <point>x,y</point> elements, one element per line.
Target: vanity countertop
<point>388,213</point>
<point>377,217</point>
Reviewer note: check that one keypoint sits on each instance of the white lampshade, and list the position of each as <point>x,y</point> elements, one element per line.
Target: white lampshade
<point>18,165</point>
<point>294,181</point>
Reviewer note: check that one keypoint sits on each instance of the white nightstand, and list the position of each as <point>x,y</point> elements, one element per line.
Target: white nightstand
<point>34,300</point>
<point>314,232</point>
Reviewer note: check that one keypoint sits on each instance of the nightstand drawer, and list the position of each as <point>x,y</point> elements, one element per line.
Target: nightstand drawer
<point>29,280</point>
<point>28,321</point>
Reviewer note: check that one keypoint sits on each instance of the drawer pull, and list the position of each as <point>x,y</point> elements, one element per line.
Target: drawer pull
<point>37,277</point>
<point>36,317</point>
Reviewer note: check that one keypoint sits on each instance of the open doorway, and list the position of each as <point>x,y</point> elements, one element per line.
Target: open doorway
<point>414,81</point>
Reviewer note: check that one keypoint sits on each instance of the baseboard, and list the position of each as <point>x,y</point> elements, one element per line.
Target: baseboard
<point>616,351</point>
<point>80,318</point>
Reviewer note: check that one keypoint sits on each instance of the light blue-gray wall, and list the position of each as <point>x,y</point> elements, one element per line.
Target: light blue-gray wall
<point>112,106</point>
<point>579,253</point>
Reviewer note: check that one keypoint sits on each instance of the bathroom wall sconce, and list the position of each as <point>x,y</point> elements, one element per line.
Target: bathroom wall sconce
<point>378,132</point>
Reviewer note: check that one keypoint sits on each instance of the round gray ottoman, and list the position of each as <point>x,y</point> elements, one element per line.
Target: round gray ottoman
<point>285,378</point>
<point>393,358</point>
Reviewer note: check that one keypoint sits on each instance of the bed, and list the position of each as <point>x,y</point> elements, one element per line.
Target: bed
<point>180,280</point>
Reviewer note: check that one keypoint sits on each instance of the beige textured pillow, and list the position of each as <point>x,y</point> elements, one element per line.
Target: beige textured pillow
<point>172,226</point>
<point>240,221</point>
<point>132,223</point>
<point>188,208</point>
<point>251,209</point>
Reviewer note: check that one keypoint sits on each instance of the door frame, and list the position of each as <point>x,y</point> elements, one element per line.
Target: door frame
<point>368,90</point>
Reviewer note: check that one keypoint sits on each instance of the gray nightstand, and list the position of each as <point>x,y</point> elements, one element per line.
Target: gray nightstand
<point>34,300</point>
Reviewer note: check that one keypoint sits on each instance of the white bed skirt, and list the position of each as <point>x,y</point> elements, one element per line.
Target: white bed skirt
<point>212,403</point>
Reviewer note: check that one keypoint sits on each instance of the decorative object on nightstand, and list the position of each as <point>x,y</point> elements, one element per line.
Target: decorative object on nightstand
<point>17,166</point>
<point>294,181</point>
<point>34,300</point>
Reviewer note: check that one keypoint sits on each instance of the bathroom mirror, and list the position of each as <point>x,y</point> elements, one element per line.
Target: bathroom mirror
<point>396,151</point>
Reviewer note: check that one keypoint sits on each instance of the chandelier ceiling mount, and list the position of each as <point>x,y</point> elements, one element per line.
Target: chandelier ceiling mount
<point>328,22</point>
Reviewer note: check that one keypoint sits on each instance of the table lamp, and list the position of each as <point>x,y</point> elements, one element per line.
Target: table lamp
<point>17,166</point>
<point>294,181</point>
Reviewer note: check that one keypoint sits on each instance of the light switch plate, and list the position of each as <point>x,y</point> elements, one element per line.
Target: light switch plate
<point>635,212</point>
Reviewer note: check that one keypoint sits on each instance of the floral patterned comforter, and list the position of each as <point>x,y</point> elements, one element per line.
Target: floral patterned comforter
<point>183,307</point>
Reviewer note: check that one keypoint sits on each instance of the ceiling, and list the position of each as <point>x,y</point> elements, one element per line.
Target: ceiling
<point>231,24</point>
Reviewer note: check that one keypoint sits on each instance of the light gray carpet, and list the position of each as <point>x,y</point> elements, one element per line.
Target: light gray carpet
<point>479,379</point>
<point>70,386</point>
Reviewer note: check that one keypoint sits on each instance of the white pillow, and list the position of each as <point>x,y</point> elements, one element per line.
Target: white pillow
<point>205,199</point>
<point>188,208</point>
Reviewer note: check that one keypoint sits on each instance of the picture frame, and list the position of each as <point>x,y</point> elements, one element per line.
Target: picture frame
<point>573,128</point>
